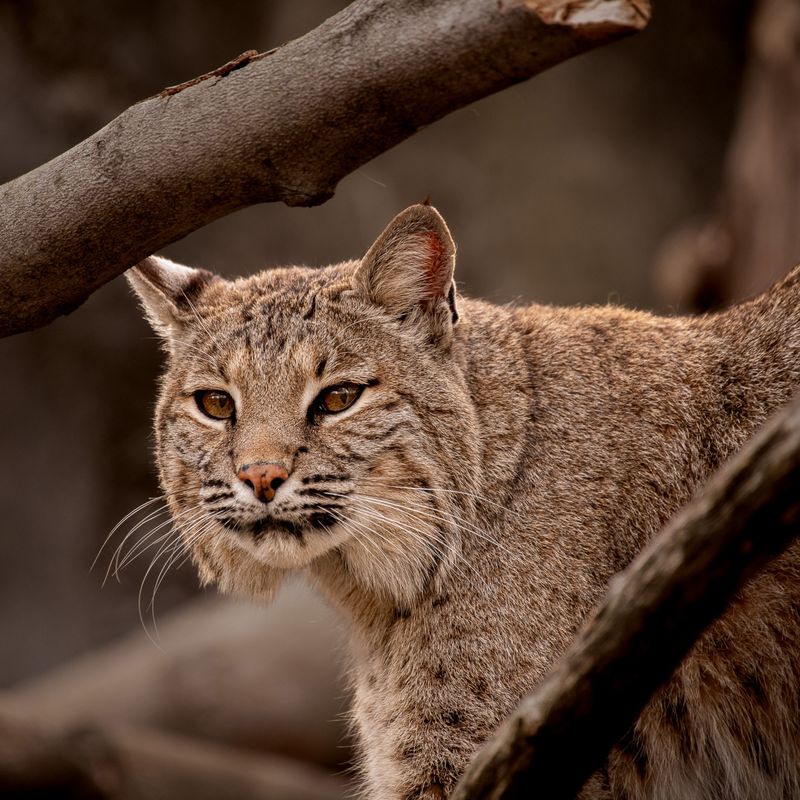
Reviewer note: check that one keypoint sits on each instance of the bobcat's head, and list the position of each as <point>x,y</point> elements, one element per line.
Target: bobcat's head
<point>317,417</point>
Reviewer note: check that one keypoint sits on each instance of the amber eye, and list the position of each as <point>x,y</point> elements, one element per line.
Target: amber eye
<point>337,398</point>
<point>215,403</point>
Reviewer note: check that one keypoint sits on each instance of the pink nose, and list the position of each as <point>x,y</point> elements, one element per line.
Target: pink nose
<point>263,478</point>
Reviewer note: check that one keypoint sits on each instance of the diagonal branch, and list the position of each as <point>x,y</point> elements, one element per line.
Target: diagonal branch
<point>653,613</point>
<point>285,125</point>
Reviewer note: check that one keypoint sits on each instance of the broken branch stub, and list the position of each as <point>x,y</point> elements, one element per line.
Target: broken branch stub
<point>285,125</point>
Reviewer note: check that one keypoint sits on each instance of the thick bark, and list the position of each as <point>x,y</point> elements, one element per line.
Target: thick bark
<point>284,125</point>
<point>654,611</point>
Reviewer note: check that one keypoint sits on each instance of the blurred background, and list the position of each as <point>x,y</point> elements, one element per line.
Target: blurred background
<point>656,173</point>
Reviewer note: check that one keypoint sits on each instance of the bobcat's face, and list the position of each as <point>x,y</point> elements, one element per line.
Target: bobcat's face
<point>311,415</point>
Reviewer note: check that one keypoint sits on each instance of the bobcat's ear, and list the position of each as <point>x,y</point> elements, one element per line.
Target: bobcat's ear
<point>409,270</point>
<point>167,291</point>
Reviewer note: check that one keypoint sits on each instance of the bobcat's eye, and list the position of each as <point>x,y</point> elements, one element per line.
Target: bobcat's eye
<point>215,403</point>
<point>337,398</point>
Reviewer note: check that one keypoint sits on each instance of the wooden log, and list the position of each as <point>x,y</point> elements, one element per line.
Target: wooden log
<point>33,765</point>
<point>141,764</point>
<point>263,678</point>
<point>122,763</point>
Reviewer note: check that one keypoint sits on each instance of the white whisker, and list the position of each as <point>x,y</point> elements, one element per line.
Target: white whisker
<point>136,550</point>
<point>454,518</point>
<point>476,497</point>
<point>430,537</point>
<point>121,523</point>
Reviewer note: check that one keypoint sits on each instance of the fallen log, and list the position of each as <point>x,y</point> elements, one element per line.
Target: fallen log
<point>262,678</point>
<point>122,763</point>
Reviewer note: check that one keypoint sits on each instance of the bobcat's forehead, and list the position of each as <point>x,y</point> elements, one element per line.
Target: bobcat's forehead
<point>276,337</point>
<point>274,314</point>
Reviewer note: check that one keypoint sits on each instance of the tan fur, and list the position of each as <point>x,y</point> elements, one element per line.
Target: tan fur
<point>498,469</point>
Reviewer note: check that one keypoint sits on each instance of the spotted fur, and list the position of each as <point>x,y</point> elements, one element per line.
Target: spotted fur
<point>500,465</point>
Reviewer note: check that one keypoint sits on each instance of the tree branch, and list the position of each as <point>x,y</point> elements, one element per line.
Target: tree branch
<point>285,125</point>
<point>122,763</point>
<point>653,613</point>
<point>141,764</point>
<point>208,650</point>
<point>32,764</point>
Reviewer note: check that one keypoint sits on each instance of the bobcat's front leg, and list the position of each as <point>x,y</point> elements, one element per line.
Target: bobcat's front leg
<point>423,773</point>
<point>415,745</point>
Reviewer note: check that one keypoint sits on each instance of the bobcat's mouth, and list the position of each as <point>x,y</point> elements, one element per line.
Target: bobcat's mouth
<point>259,529</point>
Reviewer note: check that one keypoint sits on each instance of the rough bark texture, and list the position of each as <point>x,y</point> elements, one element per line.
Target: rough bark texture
<point>285,125</point>
<point>754,236</point>
<point>653,613</point>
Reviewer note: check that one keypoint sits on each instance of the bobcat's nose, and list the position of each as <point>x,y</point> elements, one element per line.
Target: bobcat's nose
<point>263,477</point>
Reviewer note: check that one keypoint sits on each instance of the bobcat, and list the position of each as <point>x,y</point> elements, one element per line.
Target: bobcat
<point>462,480</point>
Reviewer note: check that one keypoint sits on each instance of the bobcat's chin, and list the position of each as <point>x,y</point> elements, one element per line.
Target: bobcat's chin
<point>293,548</point>
<point>393,564</point>
<point>287,545</point>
